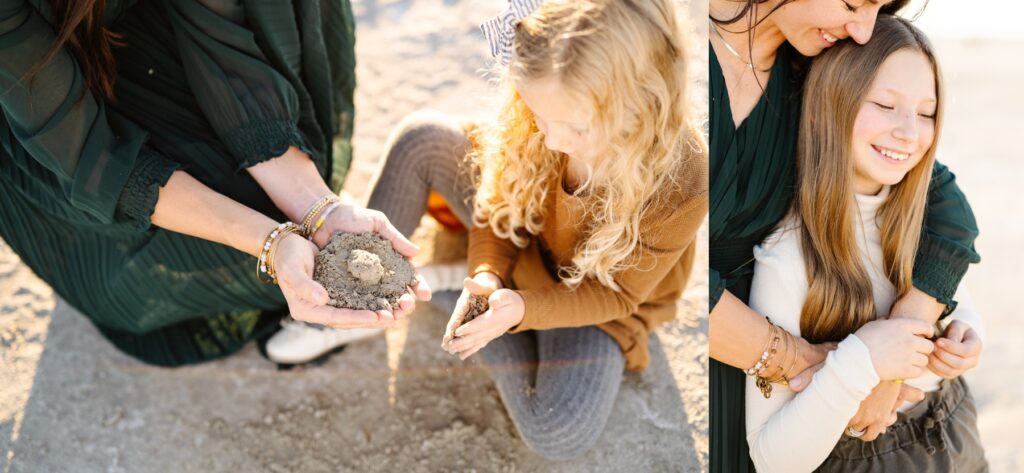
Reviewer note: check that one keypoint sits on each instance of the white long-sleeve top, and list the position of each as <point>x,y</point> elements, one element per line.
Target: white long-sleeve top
<point>792,432</point>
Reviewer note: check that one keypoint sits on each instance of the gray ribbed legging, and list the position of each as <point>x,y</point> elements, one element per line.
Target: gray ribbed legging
<point>557,385</point>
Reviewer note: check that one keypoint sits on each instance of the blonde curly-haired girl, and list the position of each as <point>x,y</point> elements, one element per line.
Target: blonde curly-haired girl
<point>589,189</point>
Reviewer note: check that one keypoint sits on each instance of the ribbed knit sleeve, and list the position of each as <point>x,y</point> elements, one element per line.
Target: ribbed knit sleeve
<point>488,252</point>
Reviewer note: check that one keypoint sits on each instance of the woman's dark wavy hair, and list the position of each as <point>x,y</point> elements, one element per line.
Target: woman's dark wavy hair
<point>81,29</point>
<point>891,9</point>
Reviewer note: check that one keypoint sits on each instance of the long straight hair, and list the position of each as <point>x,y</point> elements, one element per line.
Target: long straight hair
<point>80,27</point>
<point>840,297</point>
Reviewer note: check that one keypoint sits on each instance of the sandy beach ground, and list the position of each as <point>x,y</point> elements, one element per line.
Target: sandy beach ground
<point>70,402</point>
<point>980,143</point>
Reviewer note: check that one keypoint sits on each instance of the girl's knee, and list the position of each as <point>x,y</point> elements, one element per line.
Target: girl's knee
<point>428,124</point>
<point>563,444</point>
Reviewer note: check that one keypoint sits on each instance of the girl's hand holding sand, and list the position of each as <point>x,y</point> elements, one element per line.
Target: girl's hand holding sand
<point>506,309</point>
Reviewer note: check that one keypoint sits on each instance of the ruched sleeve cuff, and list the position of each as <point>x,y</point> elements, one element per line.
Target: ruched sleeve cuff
<point>260,141</point>
<point>940,266</point>
<point>138,197</point>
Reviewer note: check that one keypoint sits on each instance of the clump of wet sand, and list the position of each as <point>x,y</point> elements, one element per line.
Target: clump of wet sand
<point>477,305</point>
<point>362,271</point>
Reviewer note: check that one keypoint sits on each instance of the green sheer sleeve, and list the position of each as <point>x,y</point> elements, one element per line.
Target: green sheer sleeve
<point>251,104</point>
<point>83,152</point>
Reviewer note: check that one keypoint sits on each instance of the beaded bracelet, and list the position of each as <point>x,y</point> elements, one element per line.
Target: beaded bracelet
<point>265,270</point>
<point>307,220</point>
<point>767,353</point>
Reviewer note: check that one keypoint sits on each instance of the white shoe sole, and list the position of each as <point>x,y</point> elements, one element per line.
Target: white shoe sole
<point>298,343</point>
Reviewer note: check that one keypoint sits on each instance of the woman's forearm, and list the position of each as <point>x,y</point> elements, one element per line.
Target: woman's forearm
<point>292,182</point>
<point>737,336</point>
<point>187,206</point>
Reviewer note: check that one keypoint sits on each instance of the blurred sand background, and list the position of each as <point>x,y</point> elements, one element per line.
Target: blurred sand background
<point>981,51</point>
<point>70,402</point>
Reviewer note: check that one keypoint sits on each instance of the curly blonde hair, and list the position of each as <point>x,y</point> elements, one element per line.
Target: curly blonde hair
<point>626,58</point>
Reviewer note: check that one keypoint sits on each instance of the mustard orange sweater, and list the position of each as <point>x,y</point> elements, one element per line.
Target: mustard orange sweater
<point>650,289</point>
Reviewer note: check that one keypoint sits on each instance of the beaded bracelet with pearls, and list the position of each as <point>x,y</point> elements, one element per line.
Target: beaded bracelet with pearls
<point>770,347</point>
<point>265,270</point>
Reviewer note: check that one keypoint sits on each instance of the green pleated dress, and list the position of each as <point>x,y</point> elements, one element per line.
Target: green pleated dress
<point>211,87</point>
<point>752,177</point>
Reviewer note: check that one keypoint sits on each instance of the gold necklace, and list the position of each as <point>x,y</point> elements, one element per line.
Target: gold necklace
<point>729,47</point>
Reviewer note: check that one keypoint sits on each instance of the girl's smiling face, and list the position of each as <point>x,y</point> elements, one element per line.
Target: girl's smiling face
<point>566,122</point>
<point>895,126</point>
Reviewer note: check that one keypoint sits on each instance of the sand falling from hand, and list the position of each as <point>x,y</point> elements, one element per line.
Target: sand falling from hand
<point>362,271</point>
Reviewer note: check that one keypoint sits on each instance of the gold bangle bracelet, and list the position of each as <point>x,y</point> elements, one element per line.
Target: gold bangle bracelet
<point>315,210</point>
<point>323,218</point>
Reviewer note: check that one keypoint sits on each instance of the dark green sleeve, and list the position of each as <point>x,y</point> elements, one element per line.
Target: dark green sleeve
<point>93,158</point>
<point>947,241</point>
<point>251,106</point>
<point>716,287</point>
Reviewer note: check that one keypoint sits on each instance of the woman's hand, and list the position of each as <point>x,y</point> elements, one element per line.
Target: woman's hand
<point>898,347</point>
<point>878,411</point>
<point>351,218</point>
<point>956,352</point>
<point>812,358</point>
<point>506,311</point>
<point>307,299</point>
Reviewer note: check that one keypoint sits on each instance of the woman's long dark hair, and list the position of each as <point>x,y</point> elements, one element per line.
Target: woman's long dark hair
<point>890,9</point>
<point>81,29</point>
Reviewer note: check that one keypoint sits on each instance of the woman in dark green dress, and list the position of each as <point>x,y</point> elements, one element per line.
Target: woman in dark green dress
<point>754,106</point>
<point>143,200</point>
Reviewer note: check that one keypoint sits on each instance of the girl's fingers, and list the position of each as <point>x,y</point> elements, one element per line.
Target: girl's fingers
<point>474,326</point>
<point>912,371</point>
<point>941,369</point>
<point>956,331</point>
<point>469,353</point>
<point>918,359</point>
<point>464,343</point>
<point>968,347</point>
<point>954,361</point>
<point>476,288</point>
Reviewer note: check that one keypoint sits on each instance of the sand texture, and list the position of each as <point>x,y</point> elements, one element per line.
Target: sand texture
<point>477,305</point>
<point>69,401</point>
<point>362,271</point>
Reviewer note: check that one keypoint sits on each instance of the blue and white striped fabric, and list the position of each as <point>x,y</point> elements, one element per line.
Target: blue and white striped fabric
<point>501,30</point>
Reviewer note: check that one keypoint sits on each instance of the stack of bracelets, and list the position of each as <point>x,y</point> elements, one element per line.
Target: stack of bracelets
<point>767,370</point>
<point>311,223</point>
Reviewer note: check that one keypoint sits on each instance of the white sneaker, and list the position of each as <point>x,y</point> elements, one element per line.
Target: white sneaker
<point>299,342</point>
<point>444,277</point>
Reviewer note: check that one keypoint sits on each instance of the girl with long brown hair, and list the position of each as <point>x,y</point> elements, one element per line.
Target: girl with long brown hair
<point>868,133</point>
<point>760,50</point>
<point>156,154</point>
